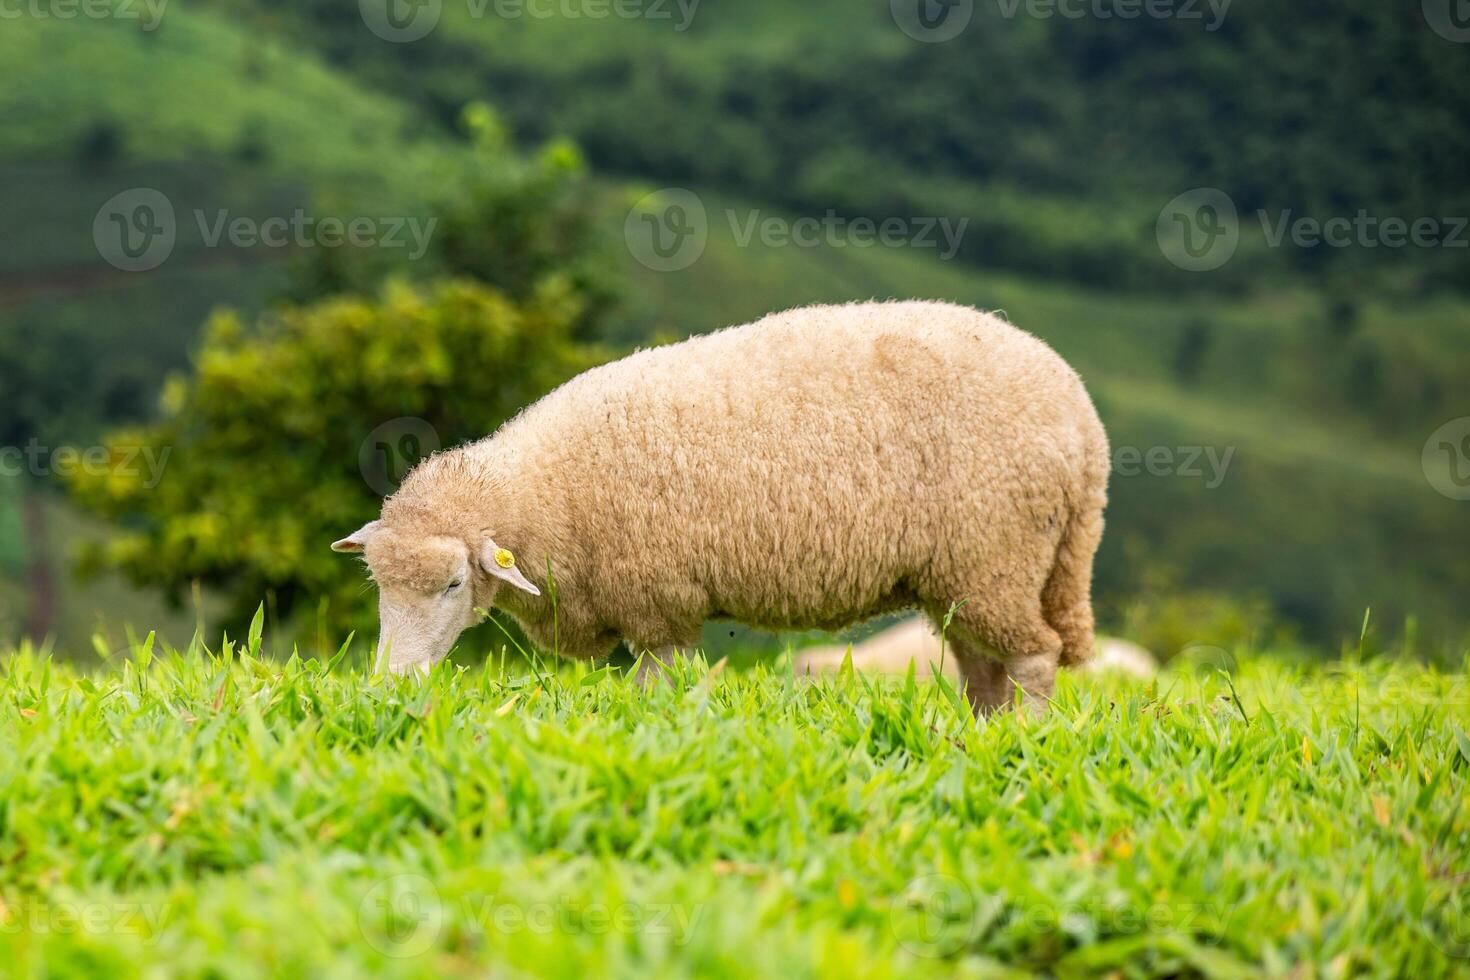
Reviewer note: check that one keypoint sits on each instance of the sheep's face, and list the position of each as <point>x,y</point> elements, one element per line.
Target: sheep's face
<point>427,590</point>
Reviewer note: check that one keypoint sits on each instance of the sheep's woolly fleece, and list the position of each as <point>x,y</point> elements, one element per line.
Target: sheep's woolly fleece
<point>809,470</point>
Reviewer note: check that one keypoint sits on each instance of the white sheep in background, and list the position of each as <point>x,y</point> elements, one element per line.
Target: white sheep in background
<point>810,470</point>
<point>915,641</point>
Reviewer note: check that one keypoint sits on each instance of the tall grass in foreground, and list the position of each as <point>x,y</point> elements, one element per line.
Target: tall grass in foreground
<point>224,815</point>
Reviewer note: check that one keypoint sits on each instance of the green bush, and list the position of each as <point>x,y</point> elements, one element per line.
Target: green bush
<point>270,445</point>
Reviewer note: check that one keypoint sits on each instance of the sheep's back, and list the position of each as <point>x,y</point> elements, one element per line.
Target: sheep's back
<point>823,452</point>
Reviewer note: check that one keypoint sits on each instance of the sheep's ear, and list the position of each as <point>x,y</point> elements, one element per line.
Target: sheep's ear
<point>501,563</point>
<point>355,542</point>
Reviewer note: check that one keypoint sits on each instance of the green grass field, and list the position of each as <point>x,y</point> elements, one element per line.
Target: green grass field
<point>230,816</point>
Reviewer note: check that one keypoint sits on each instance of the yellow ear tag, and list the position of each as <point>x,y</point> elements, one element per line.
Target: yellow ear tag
<point>504,558</point>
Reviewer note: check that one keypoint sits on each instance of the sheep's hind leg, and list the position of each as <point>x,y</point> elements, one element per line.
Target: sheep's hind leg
<point>986,685</point>
<point>994,661</point>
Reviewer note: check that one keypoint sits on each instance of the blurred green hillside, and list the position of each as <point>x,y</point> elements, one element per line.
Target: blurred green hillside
<point>1061,137</point>
<point>214,116</point>
<point>1323,371</point>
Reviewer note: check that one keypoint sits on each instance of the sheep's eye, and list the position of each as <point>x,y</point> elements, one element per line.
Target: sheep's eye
<point>454,585</point>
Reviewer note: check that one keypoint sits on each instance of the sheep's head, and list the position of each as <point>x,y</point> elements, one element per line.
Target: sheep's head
<point>429,587</point>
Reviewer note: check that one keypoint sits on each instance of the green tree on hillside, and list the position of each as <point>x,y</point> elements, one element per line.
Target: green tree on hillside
<point>504,219</point>
<point>288,434</point>
<point>293,429</point>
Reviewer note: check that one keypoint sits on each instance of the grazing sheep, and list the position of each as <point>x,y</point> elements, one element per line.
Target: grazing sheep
<point>915,641</point>
<point>809,470</point>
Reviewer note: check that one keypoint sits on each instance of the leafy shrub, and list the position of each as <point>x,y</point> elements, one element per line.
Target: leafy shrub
<point>268,458</point>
